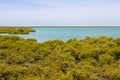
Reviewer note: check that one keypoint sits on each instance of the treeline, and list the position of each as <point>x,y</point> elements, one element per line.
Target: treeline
<point>86,59</point>
<point>16,30</point>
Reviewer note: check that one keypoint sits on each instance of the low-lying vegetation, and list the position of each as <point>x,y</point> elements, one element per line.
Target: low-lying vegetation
<point>16,30</point>
<point>86,59</point>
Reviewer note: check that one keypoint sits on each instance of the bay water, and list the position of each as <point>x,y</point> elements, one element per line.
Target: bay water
<point>45,34</point>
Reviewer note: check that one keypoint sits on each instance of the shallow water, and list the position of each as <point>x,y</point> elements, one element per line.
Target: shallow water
<point>44,34</point>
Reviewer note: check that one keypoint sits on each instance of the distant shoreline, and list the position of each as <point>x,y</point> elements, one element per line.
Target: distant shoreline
<point>65,26</point>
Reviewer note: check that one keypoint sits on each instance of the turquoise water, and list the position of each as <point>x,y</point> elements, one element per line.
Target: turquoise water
<point>44,34</point>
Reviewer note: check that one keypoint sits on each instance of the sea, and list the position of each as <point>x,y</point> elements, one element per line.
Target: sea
<point>45,34</point>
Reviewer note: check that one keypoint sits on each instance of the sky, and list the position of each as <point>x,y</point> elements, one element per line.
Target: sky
<point>59,12</point>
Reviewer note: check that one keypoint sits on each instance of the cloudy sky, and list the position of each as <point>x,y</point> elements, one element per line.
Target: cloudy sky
<point>60,12</point>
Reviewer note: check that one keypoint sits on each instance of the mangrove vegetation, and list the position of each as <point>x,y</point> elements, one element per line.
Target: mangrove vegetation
<point>16,30</point>
<point>91,58</point>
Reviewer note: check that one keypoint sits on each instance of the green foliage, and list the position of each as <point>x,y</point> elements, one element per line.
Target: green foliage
<point>86,59</point>
<point>16,30</point>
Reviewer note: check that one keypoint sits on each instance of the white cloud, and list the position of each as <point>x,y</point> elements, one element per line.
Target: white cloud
<point>61,13</point>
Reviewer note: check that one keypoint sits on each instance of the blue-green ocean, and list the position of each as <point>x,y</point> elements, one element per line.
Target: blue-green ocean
<point>44,34</point>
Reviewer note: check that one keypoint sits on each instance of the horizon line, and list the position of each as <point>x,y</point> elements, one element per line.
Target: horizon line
<point>65,26</point>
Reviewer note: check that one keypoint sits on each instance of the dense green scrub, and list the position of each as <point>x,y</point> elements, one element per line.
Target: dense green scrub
<point>86,59</point>
<point>16,30</point>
